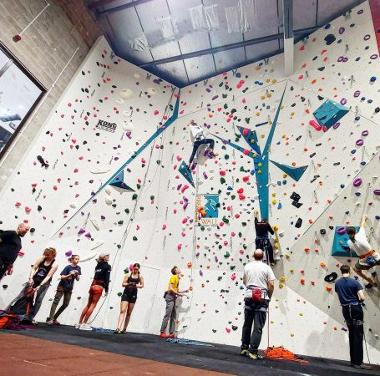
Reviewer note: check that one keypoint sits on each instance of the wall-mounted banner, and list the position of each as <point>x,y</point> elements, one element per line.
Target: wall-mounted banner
<point>107,126</point>
<point>207,209</point>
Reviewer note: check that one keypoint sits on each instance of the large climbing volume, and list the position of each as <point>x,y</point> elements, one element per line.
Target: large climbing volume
<point>329,113</point>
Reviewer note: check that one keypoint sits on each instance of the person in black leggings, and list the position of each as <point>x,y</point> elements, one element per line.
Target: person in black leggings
<point>131,283</point>
<point>263,229</point>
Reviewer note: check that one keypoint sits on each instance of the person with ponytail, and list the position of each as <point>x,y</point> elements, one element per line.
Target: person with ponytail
<point>99,284</point>
<point>131,284</point>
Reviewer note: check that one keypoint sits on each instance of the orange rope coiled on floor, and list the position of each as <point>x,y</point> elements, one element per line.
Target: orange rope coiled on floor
<point>282,353</point>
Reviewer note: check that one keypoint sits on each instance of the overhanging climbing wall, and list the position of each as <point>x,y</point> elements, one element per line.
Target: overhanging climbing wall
<point>301,179</point>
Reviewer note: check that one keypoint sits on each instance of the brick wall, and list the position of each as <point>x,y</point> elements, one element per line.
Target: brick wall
<point>45,49</point>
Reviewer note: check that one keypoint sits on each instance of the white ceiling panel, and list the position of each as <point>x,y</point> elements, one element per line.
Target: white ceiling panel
<point>257,51</point>
<point>230,58</point>
<point>200,67</point>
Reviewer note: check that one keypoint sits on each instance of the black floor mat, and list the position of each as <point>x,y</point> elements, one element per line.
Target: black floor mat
<point>220,358</point>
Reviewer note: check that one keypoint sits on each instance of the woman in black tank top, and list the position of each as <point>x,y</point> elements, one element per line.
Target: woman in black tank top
<point>39,281</point>
<point>131,283</point>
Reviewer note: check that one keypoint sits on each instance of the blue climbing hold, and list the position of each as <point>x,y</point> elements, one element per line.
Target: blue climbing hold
<point>186,173</point>
<point>294,172</point>
<point>118,182</point>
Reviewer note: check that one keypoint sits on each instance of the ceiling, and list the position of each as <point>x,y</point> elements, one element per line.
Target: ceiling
<point>185,41</point>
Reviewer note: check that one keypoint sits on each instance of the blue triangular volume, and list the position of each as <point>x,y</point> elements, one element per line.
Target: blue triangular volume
<point>294,172</point>
<point>186,173</point>
<point>251,138</point>
<point>118,181</point>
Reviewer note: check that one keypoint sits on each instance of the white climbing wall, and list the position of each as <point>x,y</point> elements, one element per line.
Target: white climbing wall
<point>155,225</point>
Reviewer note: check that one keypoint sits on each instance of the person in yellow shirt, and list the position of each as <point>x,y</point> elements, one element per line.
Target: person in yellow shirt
<point>170,297</point>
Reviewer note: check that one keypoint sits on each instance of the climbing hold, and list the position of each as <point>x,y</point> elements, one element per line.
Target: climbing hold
<point>357,182</point>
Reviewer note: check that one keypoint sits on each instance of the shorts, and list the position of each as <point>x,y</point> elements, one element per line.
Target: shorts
<point>362,265</point>
<point>129,296</point>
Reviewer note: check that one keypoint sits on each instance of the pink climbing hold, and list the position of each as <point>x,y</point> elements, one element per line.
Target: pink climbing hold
<point>357,182</point>
<point>240,84</point>
<point>184,188</point>
<point>315,125</point>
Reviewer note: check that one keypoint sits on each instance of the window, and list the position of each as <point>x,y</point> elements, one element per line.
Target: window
<point>19,94</point>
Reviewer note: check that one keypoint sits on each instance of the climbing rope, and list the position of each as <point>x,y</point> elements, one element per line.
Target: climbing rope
<point>121,245</point>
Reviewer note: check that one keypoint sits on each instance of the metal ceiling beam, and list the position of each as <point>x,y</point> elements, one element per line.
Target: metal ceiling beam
<point>287,9</point>
<point>226,47</point>
<point>95,6</point>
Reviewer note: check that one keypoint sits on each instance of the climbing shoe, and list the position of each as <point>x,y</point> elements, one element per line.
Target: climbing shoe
<point>244,352</point>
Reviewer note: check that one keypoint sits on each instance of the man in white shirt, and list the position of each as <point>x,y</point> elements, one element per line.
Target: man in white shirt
<point>198,138</point>
<point>368,257</point>
<point>259,282</point>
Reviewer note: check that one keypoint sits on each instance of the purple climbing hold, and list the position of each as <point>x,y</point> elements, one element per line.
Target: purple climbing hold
<point>343,101</point>
<point>357,182</point>
<point>336,125</point>
<point>376,192</point>
<point>359,142</point>
<point>341,230</point>
<point>365,133</point>
<point>68,253</point>
<point>356,93</point>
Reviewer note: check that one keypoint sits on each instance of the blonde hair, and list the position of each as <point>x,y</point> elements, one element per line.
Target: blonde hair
<point>50,251</point>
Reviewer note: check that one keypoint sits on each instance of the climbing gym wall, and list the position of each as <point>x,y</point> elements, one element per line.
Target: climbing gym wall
<point>105,175</point>
<point>302,179</point>
<point>108,112</point>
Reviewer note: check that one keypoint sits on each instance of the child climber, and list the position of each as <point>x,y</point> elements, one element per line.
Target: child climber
<point>65,287</point>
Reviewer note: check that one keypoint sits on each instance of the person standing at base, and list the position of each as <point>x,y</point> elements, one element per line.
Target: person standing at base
<point>130,283</point>
<point>101,282</point>
<point>35,289</point>
<point>263,229</point>
<point>170,297</point>
<point>368,257</point>
<point>10,246</point>
<point>350,293</point>
<point>65,287</point>
<point>259,280</point>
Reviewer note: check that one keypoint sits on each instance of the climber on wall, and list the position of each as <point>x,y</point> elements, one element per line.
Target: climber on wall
<point>101,282</point>
<point>170,297</point>
<point>65,287</point>
<point>35,289</point>
<point>259,280</point>
<point>351,297</point>
<point>198,138</point>
<point>10,246</point>
<point>131,283</point>
<point>263,229</point>
<point>368,257</point>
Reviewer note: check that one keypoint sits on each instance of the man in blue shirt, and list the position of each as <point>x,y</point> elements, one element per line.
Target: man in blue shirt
<point>350,293</point>
<point>65,288</point>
